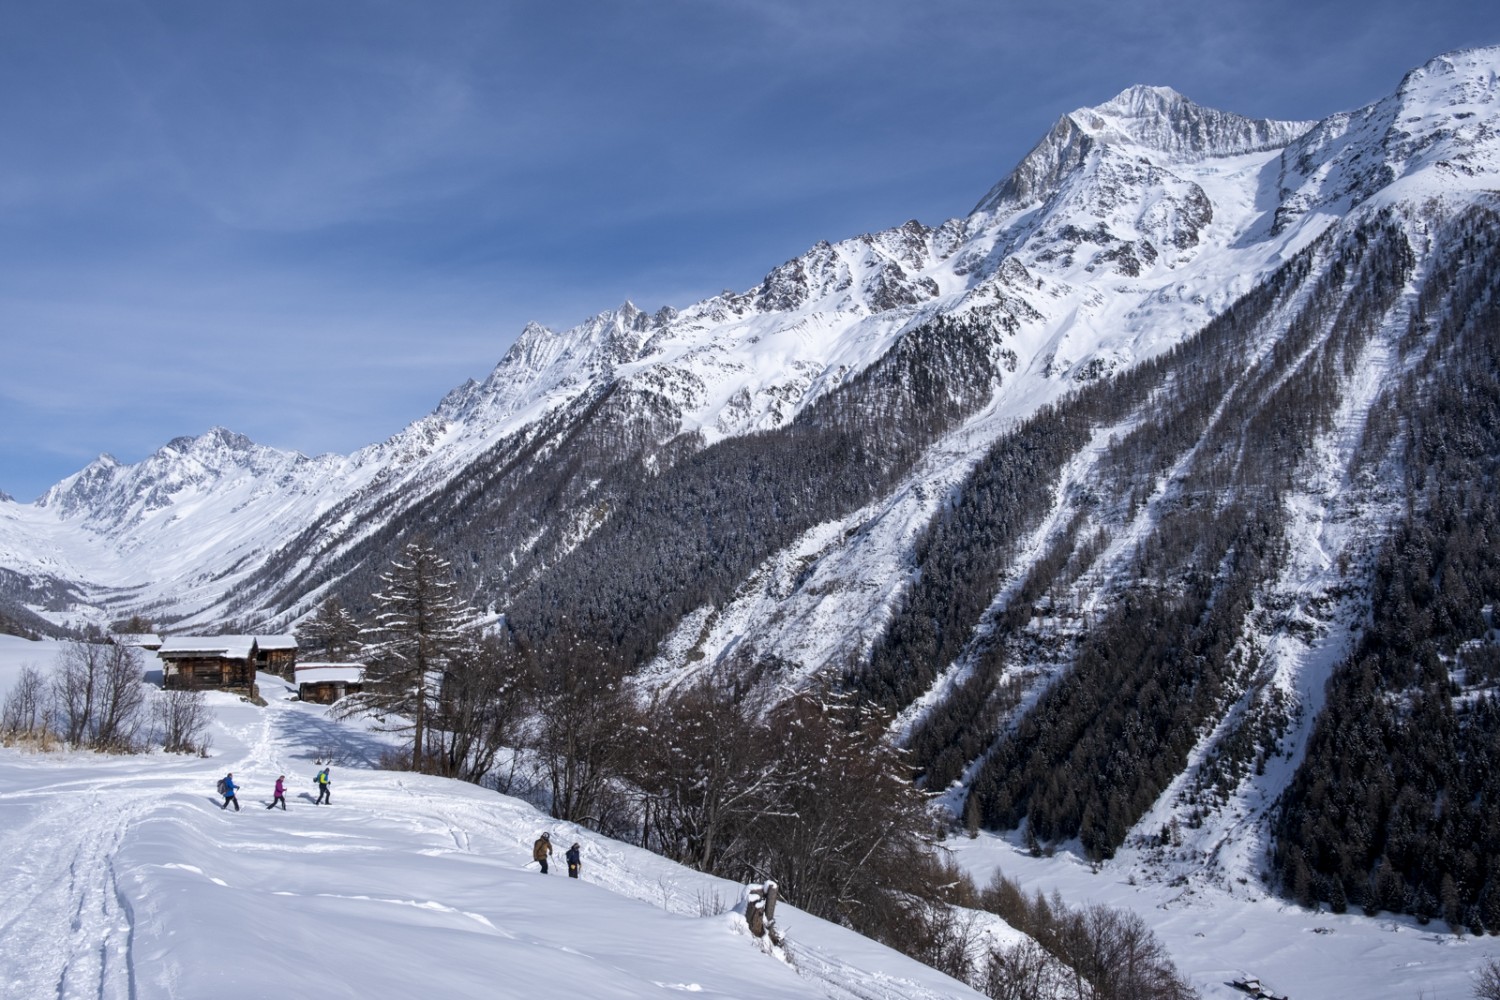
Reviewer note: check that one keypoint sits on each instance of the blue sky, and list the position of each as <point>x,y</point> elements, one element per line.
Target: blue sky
<point>307,221</point>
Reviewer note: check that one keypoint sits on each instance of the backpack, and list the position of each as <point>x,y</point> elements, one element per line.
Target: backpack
<point>223,788</point>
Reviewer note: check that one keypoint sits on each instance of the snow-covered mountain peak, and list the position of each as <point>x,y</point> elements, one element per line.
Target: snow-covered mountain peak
<point>110,495</point>
<point>216,440</point>
<point>1129,224</point>
<point>1464,76</point>
<point>540,350</point>
<point>1138,120</point>
<point>80,489</point>
<point>1160,118</point>
<point>871,273</point>
<point>1438,134</point>
<point>219,451</point>
<point>542,368</point>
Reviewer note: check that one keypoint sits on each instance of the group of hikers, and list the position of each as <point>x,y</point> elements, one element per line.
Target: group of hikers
<point>230,791</point>
<point>542,849</point>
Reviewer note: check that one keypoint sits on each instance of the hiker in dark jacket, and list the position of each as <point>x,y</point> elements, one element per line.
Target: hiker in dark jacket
<point>280,794</point>
<point>323,794</point>
<point>229,792</point>
<point>573,861</point>
<point>540,850</point>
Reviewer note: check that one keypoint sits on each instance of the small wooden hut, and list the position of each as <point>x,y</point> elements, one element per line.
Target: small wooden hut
<point>326,683</point>
<point>276,654</point>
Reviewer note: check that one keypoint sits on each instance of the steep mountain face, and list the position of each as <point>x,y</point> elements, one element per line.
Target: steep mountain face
<point>1146,118</point>
<point>1094,490</point>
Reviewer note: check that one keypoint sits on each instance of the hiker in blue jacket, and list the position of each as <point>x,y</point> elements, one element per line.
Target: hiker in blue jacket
<point>230,788</point>
<point>573,860</point>
<point>322,781</point>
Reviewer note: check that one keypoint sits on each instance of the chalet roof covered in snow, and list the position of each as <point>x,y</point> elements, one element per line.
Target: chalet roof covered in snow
<point>143,640</point>
<point>330,673</point>
<point>233,647</point>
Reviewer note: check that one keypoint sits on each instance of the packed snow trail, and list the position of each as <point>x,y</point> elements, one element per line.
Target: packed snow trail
<point>59,859</point>
<point>121,878</point>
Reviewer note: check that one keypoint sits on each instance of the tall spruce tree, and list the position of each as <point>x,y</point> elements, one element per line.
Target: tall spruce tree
<point>417,633</point>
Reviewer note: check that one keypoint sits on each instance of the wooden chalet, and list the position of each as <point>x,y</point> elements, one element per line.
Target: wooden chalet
<point>224,662</point>
<point>276,654</point>
<point>326,683</point>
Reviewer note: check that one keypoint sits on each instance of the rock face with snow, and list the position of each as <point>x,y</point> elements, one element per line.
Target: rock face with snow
<point>1154,119</point>
<point>934,464</point>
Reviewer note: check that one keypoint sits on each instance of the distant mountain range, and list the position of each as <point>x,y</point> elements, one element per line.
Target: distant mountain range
<point>1172,460</point>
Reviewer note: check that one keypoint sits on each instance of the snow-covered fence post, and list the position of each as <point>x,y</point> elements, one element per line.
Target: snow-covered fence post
<point>755,912</point>
<point>760,910</point>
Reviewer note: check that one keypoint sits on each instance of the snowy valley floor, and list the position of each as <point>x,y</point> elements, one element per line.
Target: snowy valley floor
<point>121,879</point>
<point>1214,936</point>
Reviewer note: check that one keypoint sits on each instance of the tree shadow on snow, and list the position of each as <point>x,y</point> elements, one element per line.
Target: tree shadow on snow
<point>319,739</point>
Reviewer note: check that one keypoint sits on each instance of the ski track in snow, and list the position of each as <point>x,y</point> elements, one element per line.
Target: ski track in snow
<point>61,861</point>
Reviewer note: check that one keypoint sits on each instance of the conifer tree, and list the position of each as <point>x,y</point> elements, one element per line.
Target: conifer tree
<point>330,633</point>
<point>417,633</point>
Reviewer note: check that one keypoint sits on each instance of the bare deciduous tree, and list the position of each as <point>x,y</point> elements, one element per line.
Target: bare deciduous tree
<point>1100,953</point>
<point>1487,987</point>
<point>849,835</point>
<point>1025,971</point>
<point>182,719</point>
<point>708,771</point>
<point>480,708</point>
<point>99,695</point>
<point>26,711</point>
<point>585,735</point>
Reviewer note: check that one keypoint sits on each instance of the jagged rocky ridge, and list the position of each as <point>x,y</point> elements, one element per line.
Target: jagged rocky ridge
<point>1094,489</point>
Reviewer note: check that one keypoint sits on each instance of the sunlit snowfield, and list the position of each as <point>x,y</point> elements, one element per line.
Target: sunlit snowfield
<point>120,877</point>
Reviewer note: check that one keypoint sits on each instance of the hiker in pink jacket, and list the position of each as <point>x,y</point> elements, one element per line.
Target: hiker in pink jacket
<point>280,794</point>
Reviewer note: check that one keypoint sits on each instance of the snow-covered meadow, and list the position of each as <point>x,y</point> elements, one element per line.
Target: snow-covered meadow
<point>120,877</point>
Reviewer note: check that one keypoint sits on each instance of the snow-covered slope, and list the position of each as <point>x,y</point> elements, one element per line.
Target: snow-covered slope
<point>122,878</point>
